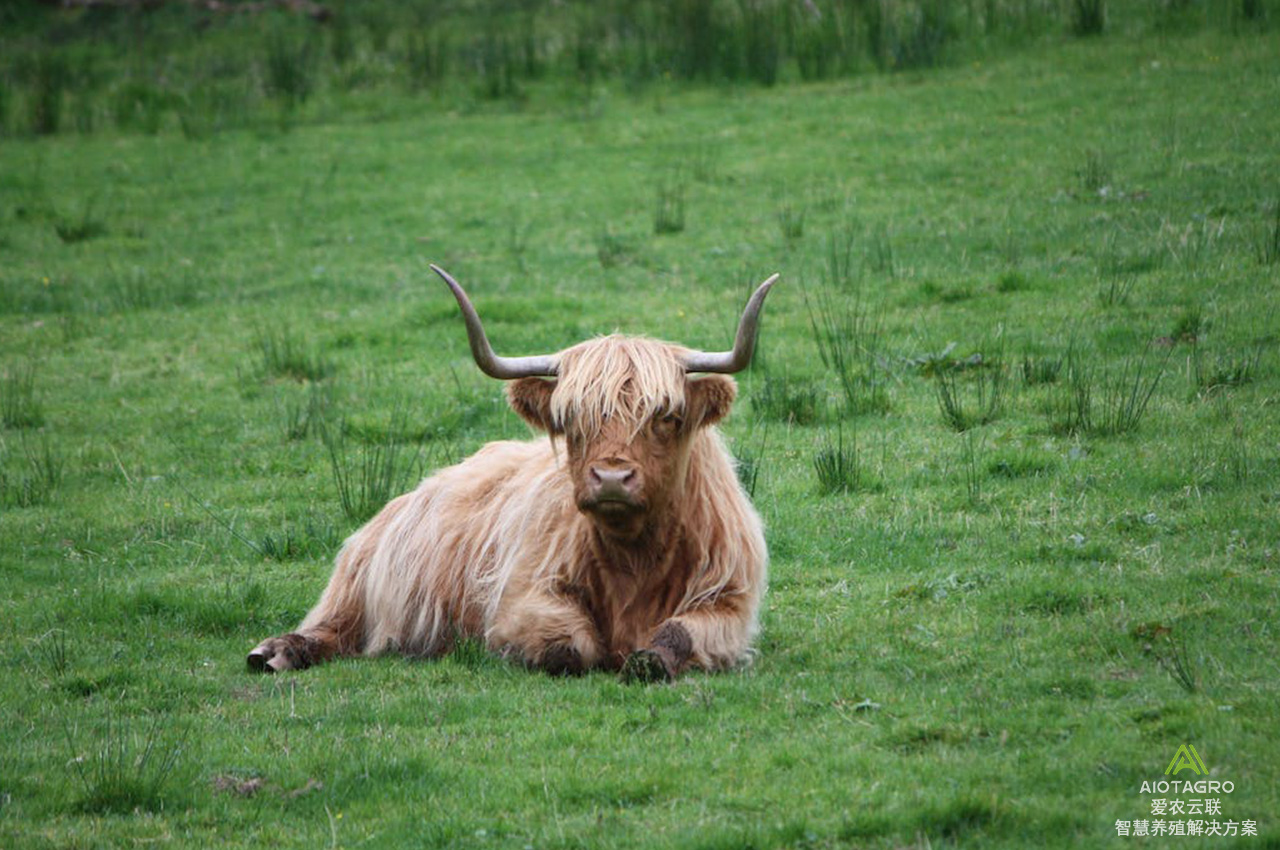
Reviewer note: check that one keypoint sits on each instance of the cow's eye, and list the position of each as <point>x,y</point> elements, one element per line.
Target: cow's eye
<point>668,423</point>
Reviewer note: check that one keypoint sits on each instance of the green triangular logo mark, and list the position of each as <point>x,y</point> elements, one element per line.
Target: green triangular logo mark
<point>1186,758</point>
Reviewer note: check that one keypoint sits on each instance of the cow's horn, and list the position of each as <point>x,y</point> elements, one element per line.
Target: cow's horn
<point>505,368</point>
<point>744,344</point>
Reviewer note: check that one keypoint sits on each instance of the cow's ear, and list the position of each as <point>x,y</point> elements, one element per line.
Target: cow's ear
<point>709,398</point>
<point>531,398</point>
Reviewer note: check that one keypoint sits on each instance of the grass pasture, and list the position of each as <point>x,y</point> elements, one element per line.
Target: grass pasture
<point>1012,429</point>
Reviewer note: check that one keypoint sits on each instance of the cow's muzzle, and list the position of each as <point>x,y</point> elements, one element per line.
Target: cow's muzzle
<point>612,488</point>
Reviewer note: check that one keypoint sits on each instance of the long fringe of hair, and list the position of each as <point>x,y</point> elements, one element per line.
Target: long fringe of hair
<point>617,377</point>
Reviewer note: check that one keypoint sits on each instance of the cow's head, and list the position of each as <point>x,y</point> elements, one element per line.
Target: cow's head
<point>626,407</point>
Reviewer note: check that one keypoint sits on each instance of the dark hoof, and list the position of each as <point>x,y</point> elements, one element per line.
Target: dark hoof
<point>645,665</point>
<point>561,660</point>
<point>257,661</point>
<point>275,655</point>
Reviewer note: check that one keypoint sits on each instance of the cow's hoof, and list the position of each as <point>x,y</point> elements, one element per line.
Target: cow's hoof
<point>257,660</point>
<point>560,659</point>
<point>645,665</point>
<point>275,655</point>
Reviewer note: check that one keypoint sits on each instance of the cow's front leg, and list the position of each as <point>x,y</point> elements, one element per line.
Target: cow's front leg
<point>662,660</point>
<point>294,651</point>
<point>712,638</point>
<point>548,632</point>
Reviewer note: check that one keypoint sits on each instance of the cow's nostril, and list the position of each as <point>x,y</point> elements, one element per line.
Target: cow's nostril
<point>612,478</point>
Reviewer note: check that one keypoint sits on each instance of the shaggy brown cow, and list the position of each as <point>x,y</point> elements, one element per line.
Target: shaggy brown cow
<point>632,548</point>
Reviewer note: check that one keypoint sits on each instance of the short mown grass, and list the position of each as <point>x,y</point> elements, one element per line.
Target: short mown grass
<point>987,637</point>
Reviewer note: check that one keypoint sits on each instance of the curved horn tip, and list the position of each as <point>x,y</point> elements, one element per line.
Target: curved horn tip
<point>459,293</point>
<point>763,289</point>
<point>448,278</point>
<point>756,302</point>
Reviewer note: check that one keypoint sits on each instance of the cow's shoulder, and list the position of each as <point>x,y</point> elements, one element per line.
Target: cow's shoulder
<point>507,456</point>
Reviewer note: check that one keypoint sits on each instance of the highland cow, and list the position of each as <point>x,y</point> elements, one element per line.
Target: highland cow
<point>622,540</point>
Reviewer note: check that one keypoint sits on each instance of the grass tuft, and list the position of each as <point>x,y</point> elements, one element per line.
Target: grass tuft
<point>1253,10</point>
<point>791,221</point>
<point>1237,454</point>
<point>87,226</point>
<point>882,258</point>
<point>1104,400</point>
<point>50,650</point>
<point>982,375</point>
<point>1225,370</point>
<point>369,474</point>
<point>1022,463</point>
<point>1189,326</point>
<point>20,406</point>
<point>471,654</point>
<point>1191,245</point>
<point>138,105</point>
<point>1013,281</point>
<point>985,386</point>
<point>849,337</point>
<point>704,162</point>
<point>1094,174</point>
<point>1170,652</point>
<point>1041,370</point>
<point>839,465</point>
<point>304,414</point>
<point>1115,290</point>
<point>920,38</point>
<point>972,454</point>
<point>782,398</point>
<point>289,67</point>
<point>1088,17</point>
<point>313,537</point>
<point>51,78</point>
<point>518,230</point>
<point>494,56</point>
<point>283,354</point>
<point>1268,242</point>
<point>125,769</point>
<point>959,818</point>
<point>668,208</point>
<point>750,460</point>
<point>612,250</point>
<point>426,58</point>
<point>30,478</point>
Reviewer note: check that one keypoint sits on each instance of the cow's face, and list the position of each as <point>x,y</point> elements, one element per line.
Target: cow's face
<point>627,413</point>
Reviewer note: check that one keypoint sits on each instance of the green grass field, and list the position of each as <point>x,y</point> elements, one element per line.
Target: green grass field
<point>1013,431</point>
